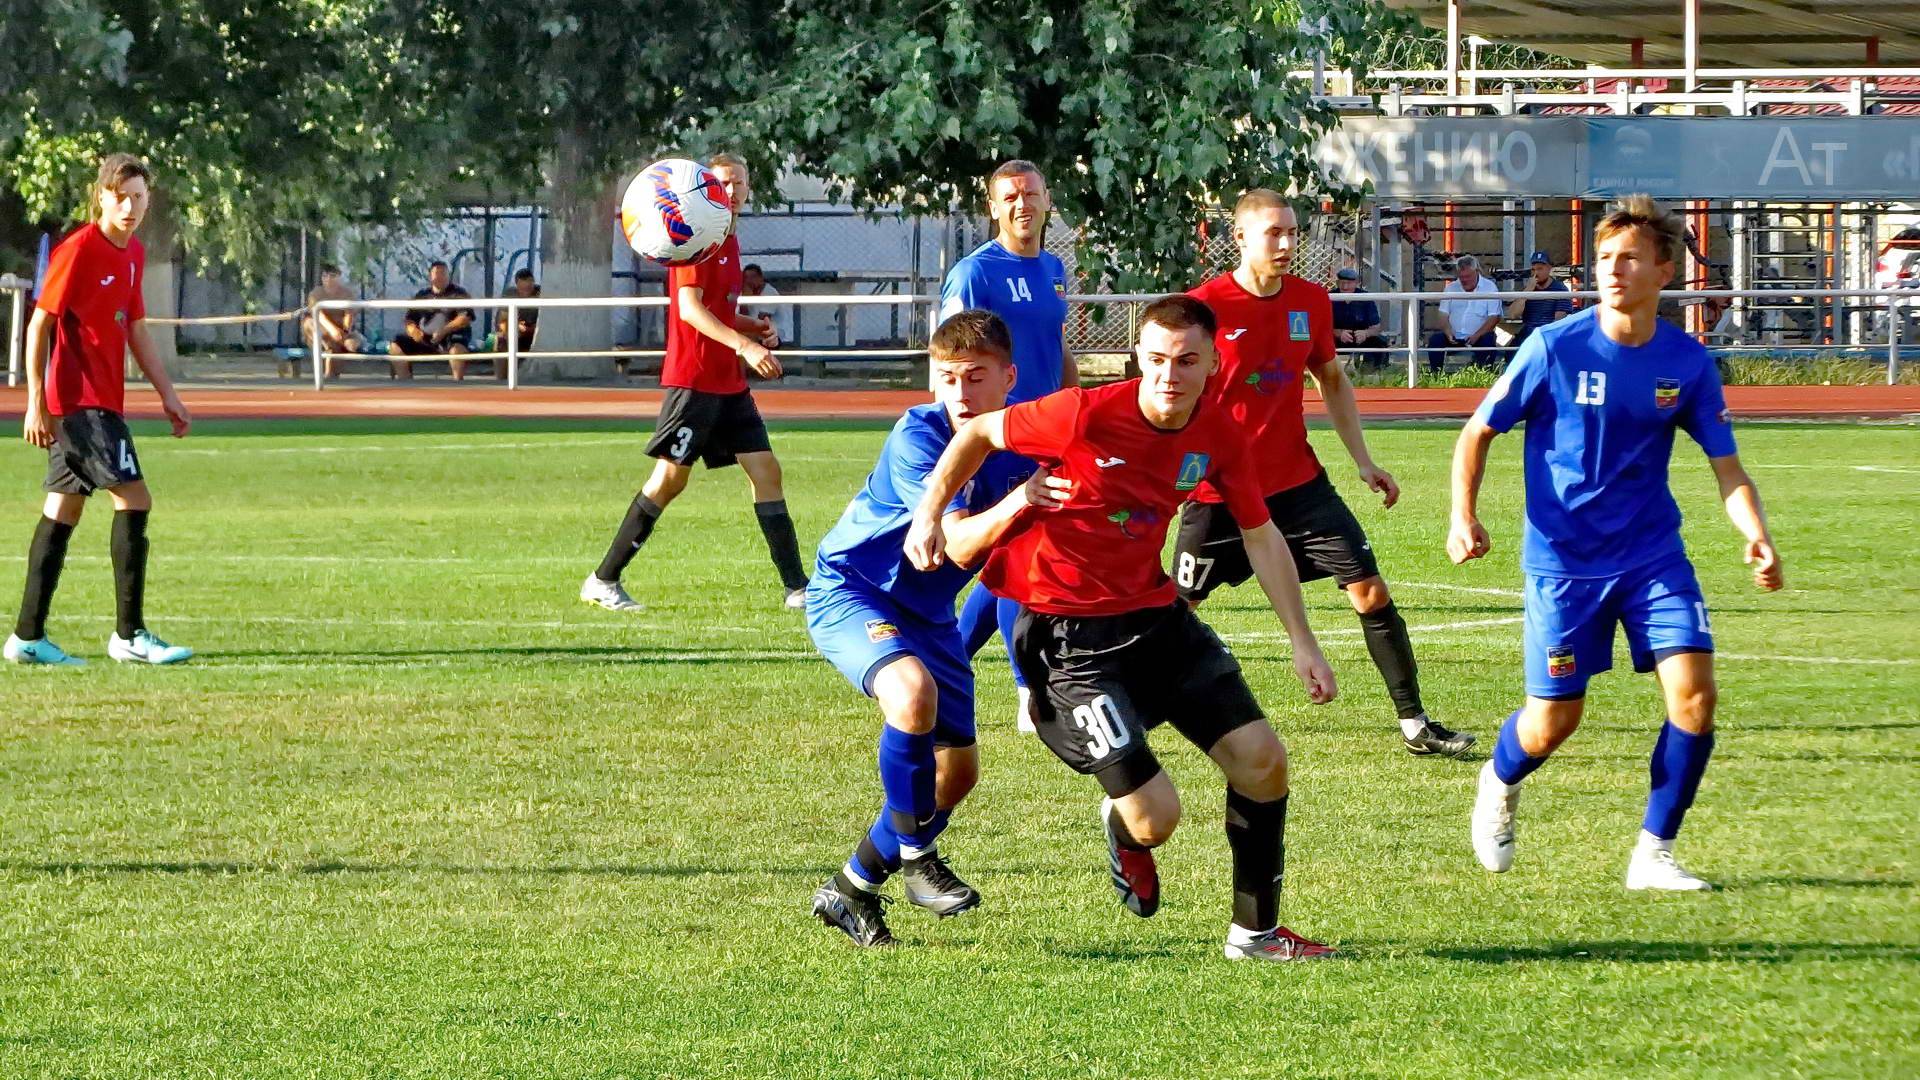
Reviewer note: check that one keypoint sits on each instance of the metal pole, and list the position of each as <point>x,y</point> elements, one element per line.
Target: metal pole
<point>319,359</point>
<point>1893,341</point>
<point>1413,344</point>
<point>16,336</point>
<point>513,345</point>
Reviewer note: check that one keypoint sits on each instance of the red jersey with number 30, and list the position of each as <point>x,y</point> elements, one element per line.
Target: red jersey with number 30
<point>92,290</point>
<point>694,360</point>
<point>1100,553</point>
<point>1265,344</point>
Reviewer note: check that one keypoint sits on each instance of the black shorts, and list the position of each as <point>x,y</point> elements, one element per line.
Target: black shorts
<point>716,428</point>
<point>1325,538</point>
<point>1102,681</point>
<point>92,449</point>
<point>410,347</point>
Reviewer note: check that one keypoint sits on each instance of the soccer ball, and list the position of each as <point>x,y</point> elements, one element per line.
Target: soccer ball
<point>675,212</point>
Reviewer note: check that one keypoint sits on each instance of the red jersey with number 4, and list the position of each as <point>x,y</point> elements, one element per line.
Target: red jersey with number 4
<point>694,360</point>
<point>1100,553</point>
<point>1265,344</point>
<point>92,290</point>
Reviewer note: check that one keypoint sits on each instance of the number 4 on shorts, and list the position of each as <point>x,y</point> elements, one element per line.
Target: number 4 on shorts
<point>127,464</point>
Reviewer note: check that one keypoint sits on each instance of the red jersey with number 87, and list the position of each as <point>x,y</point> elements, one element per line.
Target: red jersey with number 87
<point>92,290</point>
<point>1100,553</point>
<point>1266,344</point>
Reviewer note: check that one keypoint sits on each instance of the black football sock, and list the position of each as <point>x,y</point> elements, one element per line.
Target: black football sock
<point>45,557</point>
<point>634,530</point>
<point>1257,834</point>
<point>782,542</point>
<point>129,572</point>
<point>1392,650</point>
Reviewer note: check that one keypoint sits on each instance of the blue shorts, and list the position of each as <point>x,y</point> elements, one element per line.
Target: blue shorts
<point>860,631</point>
<point>1570,621</point>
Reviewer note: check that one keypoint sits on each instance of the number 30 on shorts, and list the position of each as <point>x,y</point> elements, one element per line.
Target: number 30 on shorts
<point>1191,571</point>
<point>1101,721</point>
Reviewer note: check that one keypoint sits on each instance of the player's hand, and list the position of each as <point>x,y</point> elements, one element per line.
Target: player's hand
<point>1467,540</point>
<point>926,545</point>
<point>1046,491</point>
<point>1766,564</point>
<point>763,363</point>
<point>177,415</point>
<point>1380,480</point>
<point>1311,666</point>
<point>38,428</point>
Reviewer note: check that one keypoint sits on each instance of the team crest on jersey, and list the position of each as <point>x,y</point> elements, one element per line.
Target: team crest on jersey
<point>1297,328</point>
<point>1060,289</point>
<point>879,630</point>
<point>1666,393</point>
<point>1135,524</point>
<point>1193,469</point>
<point>1559,661</point>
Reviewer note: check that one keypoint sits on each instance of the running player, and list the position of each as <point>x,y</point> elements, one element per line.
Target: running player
<point>708,413</point>
<point>1104,637</point>
<point>1275,328</point>
<point>1014,277</point>
<point>90,311</point>
<point>890,629</point>
<point>1601,393</point>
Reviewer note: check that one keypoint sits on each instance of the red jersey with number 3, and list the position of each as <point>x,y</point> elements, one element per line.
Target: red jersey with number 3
<point>1100,553</point>
<point>1266,344</point>
<point>694,360</point>
<point>92,291</point>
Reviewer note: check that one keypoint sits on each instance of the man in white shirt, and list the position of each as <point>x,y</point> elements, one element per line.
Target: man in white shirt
<point>1469,321</point>
<point>753,282</point>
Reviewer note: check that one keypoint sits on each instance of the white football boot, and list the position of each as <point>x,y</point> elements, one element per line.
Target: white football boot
<point>1653,867</point>
<point>607,594</point>
<point>1493,821</point>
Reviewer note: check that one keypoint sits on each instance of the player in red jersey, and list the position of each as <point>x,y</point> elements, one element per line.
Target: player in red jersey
<point>1274,330</point>
<point>90,311</point>
<point>708,413</point>
<point>1109,647</point>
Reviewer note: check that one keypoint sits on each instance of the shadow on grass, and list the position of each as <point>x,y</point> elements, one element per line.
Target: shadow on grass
<point>325,867</point>
<point>1125,952</point>
<point>600,654</point>
<point>1791,882</point>
<point>1666,952</point>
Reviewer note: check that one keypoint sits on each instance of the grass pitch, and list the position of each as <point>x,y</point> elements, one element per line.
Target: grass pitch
<point>417,812</point>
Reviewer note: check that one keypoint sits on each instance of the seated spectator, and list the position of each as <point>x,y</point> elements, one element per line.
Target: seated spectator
<point>1356,322</point>
<point>753,282</point>
<point>435,331</point>
<point>525,288</point>
<point>1534,314</point>
<point>337,333</point>
<point>1468,322</point>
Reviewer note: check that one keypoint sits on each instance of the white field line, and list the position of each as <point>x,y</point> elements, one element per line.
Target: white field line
<point>1773,658</point>
<point>306,620</point>
<point>1840,465</point>
<point>637,439</point>
<point>1426,631</point>
<point>335,660</point>
<point>1479,589</point>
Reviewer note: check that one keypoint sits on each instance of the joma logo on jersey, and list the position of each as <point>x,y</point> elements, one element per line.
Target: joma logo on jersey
<point>1297,327</point>
<point>1666,393</point>
<point>881,630</point>
<point>1559,661</point>
<point>1132,520</point>
<point>1193,469</point>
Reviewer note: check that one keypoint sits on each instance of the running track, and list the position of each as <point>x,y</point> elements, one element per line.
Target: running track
<point>490,400</point>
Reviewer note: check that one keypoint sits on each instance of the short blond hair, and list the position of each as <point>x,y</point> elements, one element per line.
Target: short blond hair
<point>1640,211</point>
<point>728,160</point>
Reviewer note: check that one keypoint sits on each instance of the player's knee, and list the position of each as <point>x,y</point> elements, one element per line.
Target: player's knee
<point>667,481</point>
<point>1691,708</point>
<point>134,496</point>
<point>1261,774</point>
<point>1369,594</point>
<point>908,697</point>
<point>1547,722</point>
<point>64,508</point>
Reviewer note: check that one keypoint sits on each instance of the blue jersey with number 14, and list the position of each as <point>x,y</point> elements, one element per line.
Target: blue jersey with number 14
<point>1600,420</point>
<point>1030,296</point>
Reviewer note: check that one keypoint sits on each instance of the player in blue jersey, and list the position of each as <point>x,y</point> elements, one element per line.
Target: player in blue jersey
<point>1602,393</point>
<point>1013,276</point>
<point>890,629</point>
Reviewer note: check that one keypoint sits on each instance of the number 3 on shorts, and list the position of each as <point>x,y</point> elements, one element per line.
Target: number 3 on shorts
<point>682,439</point>
<point>1101,721</point>
<point>127,464</point>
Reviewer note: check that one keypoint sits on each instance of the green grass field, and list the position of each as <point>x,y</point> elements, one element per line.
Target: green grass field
<point>417,812</point>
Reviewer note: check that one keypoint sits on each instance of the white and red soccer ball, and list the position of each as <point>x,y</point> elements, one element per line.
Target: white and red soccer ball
<point>675,212</point>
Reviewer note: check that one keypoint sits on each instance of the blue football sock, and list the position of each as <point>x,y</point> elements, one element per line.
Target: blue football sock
<point>906,774</point>
<point>1510,763</point>
<point>1679,760</point>
<point>1005,612</point>
<point>977,619</point>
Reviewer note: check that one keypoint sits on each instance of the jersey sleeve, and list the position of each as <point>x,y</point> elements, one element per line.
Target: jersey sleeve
<point>56,285</point>
<point>1043,428</point>
<point>1237,481</point>
<point>1705,416</point>
<point>1322,352</point>
<point>960,291</point>
<point>1512,398</point>
<point>910,455</point>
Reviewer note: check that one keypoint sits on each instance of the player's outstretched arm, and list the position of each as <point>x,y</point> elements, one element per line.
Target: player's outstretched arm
<point>1466,538</point>
<point>38,427</point>
<point>971,536</point>
<point>1280,579</point>
<point>1336,392</point>
<point>689,303</point>
<point>1742,500</point>
<point>978,437</point>
<point>148,358</point>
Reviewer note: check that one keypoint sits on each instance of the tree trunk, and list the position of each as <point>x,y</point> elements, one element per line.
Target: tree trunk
<point>160,282</point>
<point>576,253</point>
